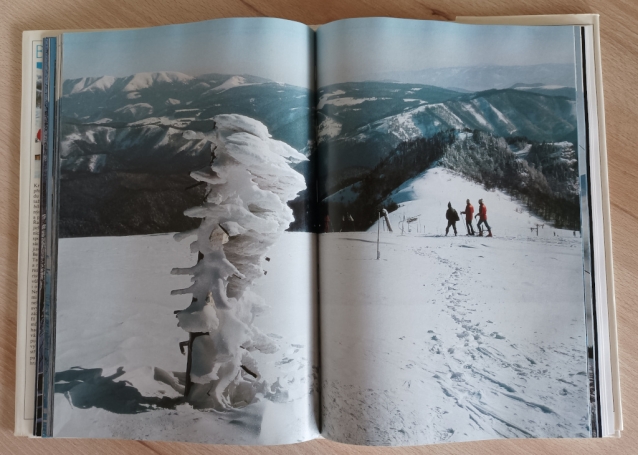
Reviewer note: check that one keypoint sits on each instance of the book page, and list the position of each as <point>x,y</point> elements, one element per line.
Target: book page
<point>186,259</point>
<point>452,259</point>
<point>29,233</point>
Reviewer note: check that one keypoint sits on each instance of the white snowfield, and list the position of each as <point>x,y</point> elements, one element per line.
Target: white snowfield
<point>344,101</point>
<point>232,82</point>
<point>141,81</point>
<point>93,84</point>
<point>328,128</point>
<point>117,352</point>
<point>452,338</point>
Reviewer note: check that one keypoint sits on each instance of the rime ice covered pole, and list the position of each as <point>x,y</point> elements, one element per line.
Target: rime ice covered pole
<point>248,185</point>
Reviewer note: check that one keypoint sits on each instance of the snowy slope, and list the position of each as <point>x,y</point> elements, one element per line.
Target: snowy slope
<point>93,84</point>
<point>427,195</point>
<point>141,81</point>
<point>547,89</point>
<point>452,338</point>
<point>115,313</point>
<point>421,121</point>
<point>232,82</point>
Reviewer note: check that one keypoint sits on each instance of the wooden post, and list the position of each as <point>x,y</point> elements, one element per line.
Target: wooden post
<point>378,236</point>
<point>189,364</point>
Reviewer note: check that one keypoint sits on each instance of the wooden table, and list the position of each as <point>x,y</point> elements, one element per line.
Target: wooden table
<point>620,68</point>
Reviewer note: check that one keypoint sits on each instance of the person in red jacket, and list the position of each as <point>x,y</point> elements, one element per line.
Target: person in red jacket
<point>482,215</point>
<point>469,217</point>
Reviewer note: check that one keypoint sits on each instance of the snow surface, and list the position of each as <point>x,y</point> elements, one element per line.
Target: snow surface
<point>452,338</point>
<point>324,97</point>
<point>547,87</point>
<point>328,128</point>
<point>136,110</point>
<point>502,118</point>
<point>145,80</point>
<point>115,312</point>
<point>103,120</point>
<point>479,118</point>
<point>232,82</point>
<point>345,101</point>
<point>92,84</point>
<point>406,126</point>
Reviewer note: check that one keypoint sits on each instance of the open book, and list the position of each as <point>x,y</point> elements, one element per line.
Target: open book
<point>379,231</point>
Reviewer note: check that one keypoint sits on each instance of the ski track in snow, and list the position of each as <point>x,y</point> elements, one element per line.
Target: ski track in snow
<point>460,376</point>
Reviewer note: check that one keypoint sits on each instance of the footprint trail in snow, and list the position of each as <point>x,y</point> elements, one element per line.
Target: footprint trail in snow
<point>459,338</point>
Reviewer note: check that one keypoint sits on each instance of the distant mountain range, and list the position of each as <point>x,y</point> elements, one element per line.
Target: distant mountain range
<point>361,122</point>
<point>128,145</point>
<point>139,122</point>
<point>479,78</point>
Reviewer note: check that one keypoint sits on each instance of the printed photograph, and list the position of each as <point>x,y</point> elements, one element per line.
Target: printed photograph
<point>451,258</point>
<point>186,289</point>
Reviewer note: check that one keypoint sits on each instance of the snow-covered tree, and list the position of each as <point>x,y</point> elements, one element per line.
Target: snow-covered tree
<point>248,184</point>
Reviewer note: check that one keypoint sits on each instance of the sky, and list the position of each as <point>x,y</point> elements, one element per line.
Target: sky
<point>275,49</point>
<point>365,49</point>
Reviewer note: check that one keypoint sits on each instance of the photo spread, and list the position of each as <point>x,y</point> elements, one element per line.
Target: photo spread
<point>378,233</point>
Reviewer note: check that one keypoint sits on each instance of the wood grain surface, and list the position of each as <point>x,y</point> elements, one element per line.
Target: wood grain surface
<point>620,76</point>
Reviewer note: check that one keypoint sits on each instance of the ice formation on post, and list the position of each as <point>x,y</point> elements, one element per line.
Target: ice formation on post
<point>248,184</point>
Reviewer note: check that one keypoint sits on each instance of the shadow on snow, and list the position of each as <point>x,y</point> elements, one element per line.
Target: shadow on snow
<point>88,388</point>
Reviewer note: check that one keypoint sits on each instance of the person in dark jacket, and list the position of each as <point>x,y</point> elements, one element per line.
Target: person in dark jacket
<point>469,217</point>
<point>452,217</point>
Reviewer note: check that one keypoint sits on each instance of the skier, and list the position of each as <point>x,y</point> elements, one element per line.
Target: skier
<point>469,216</point>
<point>482,215</point>
<point>452,217</point>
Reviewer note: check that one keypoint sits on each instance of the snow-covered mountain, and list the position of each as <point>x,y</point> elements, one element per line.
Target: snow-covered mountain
<point>360,123</point>
<point>478,78</point>
<point>152,144</point>
<point>118,101</point>
<point>235,81</point>
<point>128,144</point>
<point>547,89</point>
